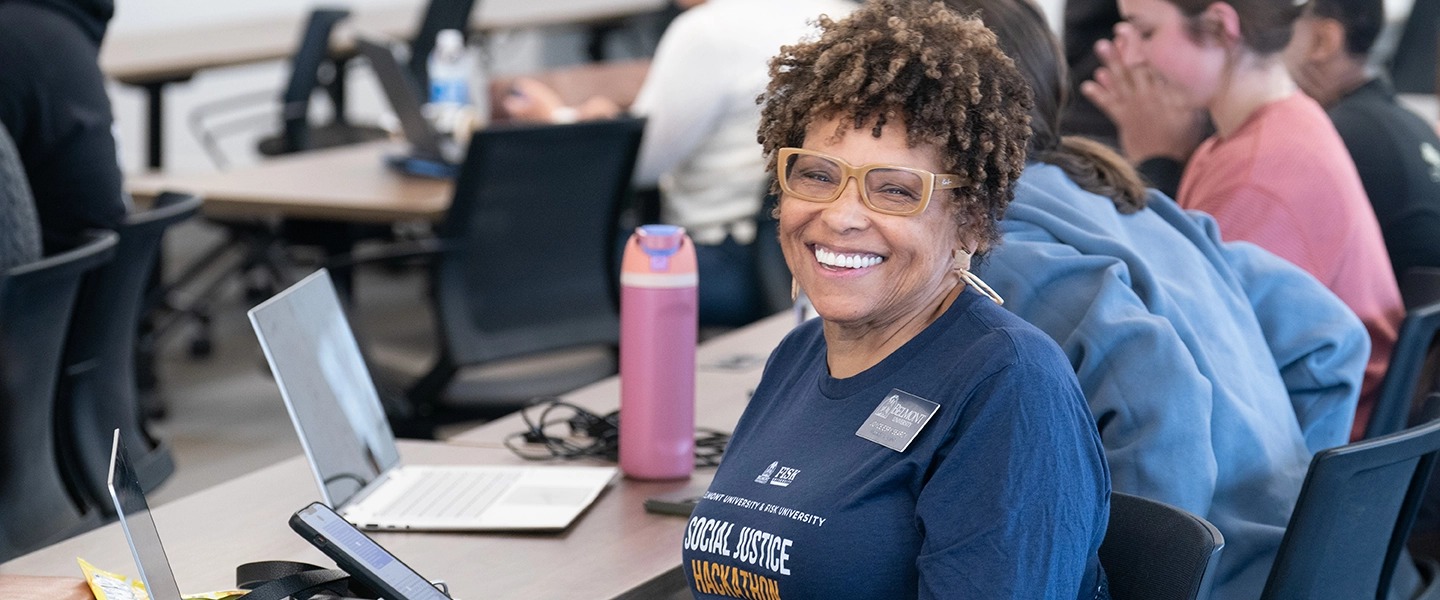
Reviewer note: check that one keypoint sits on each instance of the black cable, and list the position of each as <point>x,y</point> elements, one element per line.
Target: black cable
<point>351,476</point>
<point>539,442</point>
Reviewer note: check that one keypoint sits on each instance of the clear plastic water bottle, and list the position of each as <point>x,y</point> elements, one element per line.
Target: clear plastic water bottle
<point>449,66</point>
<point>659,311</point>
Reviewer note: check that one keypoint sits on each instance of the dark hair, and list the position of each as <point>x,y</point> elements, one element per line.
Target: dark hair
<point>1362,20</point>
<point>1021,30</point>
<point>1265,25</point>
<point>938,74</point>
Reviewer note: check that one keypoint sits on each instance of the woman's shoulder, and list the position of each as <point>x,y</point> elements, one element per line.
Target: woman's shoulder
<point>990,339</point>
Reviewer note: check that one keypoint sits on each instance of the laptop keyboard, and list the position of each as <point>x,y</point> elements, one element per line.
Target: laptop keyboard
<point>449,494</point>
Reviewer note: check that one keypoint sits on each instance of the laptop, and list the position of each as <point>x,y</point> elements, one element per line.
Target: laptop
<point>337,414</point>
<point>139,527</point>
<point>431,153</point>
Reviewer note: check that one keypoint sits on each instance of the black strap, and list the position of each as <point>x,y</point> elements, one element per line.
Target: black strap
<point>279,579</point>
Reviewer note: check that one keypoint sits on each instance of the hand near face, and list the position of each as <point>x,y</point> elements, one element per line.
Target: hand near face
<point>1154,118</point>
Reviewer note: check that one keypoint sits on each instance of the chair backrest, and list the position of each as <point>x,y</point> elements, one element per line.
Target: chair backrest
<point>19,225</point>
<point>1154,551</point>
<point>1402,377</point>
<point>97,392</point>
<point>770,267</point>
<point>305,75</point>
<point>1353,516</point>
<point>1420,286</point>
<point>530,236</point>
<point>1413,67</point>
<point>38,504</point>
<point>439,16</point>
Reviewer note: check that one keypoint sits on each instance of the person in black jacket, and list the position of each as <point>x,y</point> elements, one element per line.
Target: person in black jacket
<point>53,104</point>
<point>1396,152</point>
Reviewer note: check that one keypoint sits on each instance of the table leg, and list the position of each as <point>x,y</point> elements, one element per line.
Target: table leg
<point>155,96</point>
<point>336,89</point>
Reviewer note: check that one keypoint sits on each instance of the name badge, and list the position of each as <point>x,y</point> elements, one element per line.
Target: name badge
<point>897,420</point>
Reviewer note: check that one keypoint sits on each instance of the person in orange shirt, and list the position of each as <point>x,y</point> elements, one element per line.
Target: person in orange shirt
<point>1275,173</point>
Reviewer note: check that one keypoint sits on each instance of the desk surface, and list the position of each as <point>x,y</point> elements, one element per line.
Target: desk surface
<point>156,56</point>
<point>341,184</point>
<point>615,550</point>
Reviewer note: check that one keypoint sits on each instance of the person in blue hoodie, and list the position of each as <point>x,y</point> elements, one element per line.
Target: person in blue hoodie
<point>1214,371</point>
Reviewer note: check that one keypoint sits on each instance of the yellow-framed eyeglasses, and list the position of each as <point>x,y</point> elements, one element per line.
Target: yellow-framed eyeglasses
<point>887,189</point>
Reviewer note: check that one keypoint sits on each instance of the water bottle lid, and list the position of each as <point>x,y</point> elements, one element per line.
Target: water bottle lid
<point>656,254</point>
<point>659,242</point>
<point>448,40</point>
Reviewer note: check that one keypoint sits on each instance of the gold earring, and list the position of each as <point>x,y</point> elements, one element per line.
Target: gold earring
<point>971,279</point>
<point>794,290</point>
<point>955,258</point>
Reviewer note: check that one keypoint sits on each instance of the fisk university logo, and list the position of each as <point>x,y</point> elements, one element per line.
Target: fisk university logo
<point>783,478</point>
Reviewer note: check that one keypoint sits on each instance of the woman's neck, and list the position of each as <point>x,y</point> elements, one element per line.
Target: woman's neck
<point>851,349</point>
<point>1253,82</point>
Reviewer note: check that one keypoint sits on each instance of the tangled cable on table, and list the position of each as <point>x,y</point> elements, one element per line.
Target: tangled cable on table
<point>589,435</point>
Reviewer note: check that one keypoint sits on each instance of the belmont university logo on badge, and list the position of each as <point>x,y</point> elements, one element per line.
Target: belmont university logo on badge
<point>783,478</point>
<point>897,420</point>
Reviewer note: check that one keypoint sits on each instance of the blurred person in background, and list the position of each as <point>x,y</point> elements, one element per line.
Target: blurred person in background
<point>699,145</point>
<point>1275,173</point>
<point>1087,22</point>
<point>1214,370</point>
<point>53,103</point>
<point>1395,151</point>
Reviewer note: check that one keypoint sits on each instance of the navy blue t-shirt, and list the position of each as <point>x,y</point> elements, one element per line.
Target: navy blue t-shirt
<point>1003,494</point>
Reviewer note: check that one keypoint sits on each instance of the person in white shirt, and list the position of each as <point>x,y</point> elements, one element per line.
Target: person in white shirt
<point>699,99</point>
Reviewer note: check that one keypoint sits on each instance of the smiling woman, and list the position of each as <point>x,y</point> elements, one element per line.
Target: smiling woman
<point>917,440</point>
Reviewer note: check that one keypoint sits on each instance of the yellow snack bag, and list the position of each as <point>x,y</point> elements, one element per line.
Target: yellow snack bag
<point>113,586</point>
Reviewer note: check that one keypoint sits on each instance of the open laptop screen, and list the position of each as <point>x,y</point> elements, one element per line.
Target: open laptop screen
<point>139,526</point>
<point>326,386</point>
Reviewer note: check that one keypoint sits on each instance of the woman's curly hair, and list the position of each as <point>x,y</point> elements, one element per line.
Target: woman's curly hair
<point>937,73</point>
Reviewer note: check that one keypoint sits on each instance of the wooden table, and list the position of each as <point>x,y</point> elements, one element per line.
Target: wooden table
<point>615,550</point>
<point>350,183</point>
<point>152,60</point>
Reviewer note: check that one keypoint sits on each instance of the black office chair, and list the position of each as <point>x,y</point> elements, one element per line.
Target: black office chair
<point>1355,511</point>
<point>297,134</point>
<point>523,266</point>
<point>771,271</point>
<point>439,16</point>
<point>98,393</point>
<point>1154,551</point>
<point>1402,383</point>
<point>1420,286</point>
<point>39,505</point>
<point>1413,67</point>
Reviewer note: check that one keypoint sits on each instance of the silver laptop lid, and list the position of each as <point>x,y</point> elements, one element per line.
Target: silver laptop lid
<point>326,387</point>
<point>139,526</point>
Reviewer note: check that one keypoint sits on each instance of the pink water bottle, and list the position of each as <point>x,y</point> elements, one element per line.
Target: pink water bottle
<point>658,319</point>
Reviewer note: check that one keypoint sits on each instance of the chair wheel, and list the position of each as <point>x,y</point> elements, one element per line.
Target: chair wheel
<point>201,347</point>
